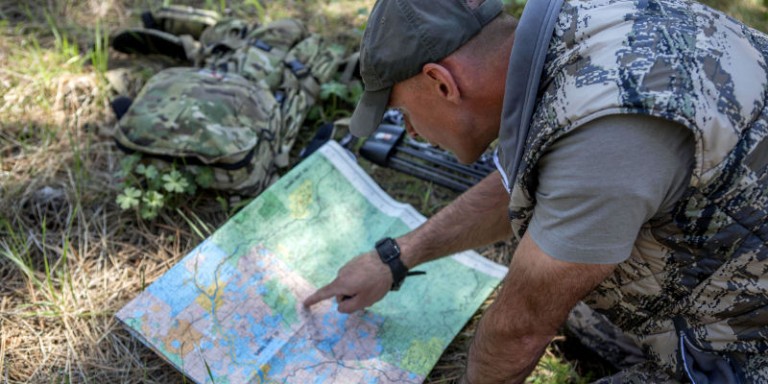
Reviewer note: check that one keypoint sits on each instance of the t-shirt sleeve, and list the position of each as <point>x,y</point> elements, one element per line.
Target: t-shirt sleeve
<point>601,182</point>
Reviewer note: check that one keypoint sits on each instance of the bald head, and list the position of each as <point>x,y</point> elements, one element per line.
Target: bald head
<point>480,65</point>
<point>468,86</point>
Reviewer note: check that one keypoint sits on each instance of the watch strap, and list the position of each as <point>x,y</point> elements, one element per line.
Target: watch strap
<point>389,253</point>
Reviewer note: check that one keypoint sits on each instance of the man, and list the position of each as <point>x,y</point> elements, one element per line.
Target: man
<point>633,167</point>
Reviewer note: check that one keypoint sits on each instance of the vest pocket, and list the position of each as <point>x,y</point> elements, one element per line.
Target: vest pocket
<point>701,366</point>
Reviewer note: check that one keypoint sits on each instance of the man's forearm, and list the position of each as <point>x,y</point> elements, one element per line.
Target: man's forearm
<point>476,218</point>
<point>504,354</point>
<point>534,301</point>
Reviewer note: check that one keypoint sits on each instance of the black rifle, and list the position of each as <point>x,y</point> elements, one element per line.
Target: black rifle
<point>390,147</point>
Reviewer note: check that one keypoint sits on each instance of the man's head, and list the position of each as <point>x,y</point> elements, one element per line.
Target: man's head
<point>405,35</point>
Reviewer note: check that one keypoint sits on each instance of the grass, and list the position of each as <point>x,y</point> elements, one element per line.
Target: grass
<point>69,257</point>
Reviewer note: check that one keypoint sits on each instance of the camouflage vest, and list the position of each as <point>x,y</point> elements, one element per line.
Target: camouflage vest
<point>699,274</point>
<point>237,112</point>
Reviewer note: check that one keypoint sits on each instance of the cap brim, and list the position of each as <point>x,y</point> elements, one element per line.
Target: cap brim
<point>369,112</point>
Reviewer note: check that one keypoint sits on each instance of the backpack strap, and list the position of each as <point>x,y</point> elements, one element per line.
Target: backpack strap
<point>308,64</point>
<point>283,34</point>
<point>225,36</point>
<point>183,20</point>
<point>152,41</point>
<point>351,68</point>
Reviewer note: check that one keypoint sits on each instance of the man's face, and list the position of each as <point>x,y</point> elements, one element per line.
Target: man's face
<point>433,120</point>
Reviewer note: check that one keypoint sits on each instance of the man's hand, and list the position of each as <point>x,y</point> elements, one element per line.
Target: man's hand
<point>363,281</point>
<point>478,217</point>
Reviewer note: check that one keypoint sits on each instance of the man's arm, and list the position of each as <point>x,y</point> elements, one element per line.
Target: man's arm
<point>477,217</point>
<point>538,293</point>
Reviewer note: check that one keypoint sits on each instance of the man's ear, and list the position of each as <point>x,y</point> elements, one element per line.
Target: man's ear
<point>441,80</point>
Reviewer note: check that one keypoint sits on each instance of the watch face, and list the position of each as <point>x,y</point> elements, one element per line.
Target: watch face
<point>388,250</point>
<point>388,257</point>
<point>389,253</point>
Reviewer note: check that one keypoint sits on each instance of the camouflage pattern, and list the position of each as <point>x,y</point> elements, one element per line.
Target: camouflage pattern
<point>286,59</point>
<point>225,36</point>
<point>302,91</point>
<point>643,373</point>
<point>183,20</point>
<point>700,271</point>
<point>597,333</point>
<point>212,118</point>
<point>250,99</point>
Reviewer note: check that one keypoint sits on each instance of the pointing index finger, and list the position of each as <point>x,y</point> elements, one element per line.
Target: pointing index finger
<point>321,294</point>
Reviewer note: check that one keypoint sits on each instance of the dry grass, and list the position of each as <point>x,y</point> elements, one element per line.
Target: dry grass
<point>69,258</point>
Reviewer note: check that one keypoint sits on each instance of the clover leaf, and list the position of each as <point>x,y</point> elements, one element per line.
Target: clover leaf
<point>175,182</point>
<point>205,177</point>
<point>150,171</point>
<point>153,199</point>
<point>128,162</point>
<point>129,198</point>
<point>148,213</point>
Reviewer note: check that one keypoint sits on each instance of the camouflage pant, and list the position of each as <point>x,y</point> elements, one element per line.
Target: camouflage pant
<point>600,335</point>
<point>604,338</point>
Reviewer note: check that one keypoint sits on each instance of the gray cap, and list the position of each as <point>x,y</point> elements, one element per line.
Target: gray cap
<point>402,36</point>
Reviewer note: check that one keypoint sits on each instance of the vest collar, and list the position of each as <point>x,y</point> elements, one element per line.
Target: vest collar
<point>526,63</point>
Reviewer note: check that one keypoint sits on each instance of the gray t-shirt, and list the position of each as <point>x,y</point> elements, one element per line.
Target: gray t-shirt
<point>600,183</point>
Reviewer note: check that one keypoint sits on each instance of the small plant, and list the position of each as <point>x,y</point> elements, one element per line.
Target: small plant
<point>149,189</point>
<point>99,53</point>
<point>552,369</point>
<point>65,46</point>
<point>338,99</point>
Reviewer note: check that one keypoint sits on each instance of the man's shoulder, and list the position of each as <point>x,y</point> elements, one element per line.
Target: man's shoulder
<point>601,182</point>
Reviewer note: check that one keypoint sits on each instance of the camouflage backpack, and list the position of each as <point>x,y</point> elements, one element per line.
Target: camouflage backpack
<point>237,112</point>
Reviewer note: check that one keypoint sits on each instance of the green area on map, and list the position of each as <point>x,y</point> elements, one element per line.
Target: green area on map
<point>230,311</point>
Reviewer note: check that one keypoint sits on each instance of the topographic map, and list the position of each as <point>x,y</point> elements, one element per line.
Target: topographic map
<point>230,311</point>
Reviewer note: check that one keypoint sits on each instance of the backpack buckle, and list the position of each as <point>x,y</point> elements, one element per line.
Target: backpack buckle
<point>298,68</point>
<point>260,44</point>
<point>280,97</point>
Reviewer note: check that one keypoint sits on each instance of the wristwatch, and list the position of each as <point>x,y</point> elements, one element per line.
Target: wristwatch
<point>389,253</point>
